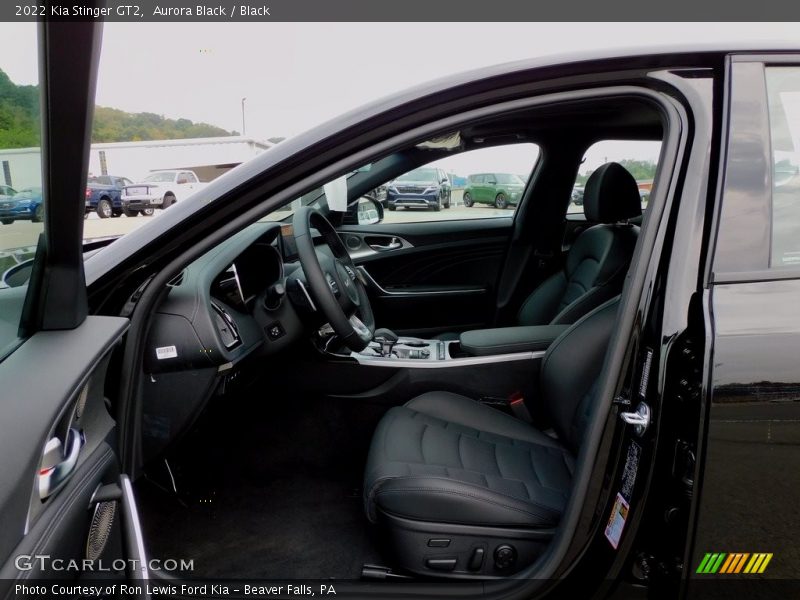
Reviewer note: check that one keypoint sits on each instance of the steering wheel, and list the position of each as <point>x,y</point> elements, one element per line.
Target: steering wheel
<point>333,281</point>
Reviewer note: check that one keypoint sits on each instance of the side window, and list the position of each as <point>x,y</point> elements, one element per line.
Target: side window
<point>21,202</point>
<point>456,187</point>
<point>783,91</point>
<point>640,158</point>
<point>190,177</point>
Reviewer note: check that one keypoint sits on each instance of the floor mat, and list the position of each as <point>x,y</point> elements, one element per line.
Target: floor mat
<point>297,527</point>
<point>280,499</point>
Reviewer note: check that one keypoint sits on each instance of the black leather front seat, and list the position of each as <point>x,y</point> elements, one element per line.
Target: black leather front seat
<point>598,259</point>
<point>456,481</point>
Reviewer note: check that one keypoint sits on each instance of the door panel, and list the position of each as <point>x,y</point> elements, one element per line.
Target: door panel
<point>752,467</point>
<point>58,439</point>
<point>432,277</point>
<point>70,397</point>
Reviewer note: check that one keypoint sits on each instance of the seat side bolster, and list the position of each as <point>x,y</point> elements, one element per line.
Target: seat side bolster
<point>443,500</point>
<point>586,303</point>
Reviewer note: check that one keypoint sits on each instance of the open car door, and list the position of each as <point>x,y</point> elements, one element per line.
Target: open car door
<point>68,517</point>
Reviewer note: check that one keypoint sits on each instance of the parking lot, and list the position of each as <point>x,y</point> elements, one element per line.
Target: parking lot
<point>25,233</point>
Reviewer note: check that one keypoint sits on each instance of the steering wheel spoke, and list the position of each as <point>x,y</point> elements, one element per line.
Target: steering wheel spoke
<point>333,280</point>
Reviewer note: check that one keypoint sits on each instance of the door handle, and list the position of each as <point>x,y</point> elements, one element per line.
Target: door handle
<point>394,244</point>
<point>53,477</point>
<point>640,419</point>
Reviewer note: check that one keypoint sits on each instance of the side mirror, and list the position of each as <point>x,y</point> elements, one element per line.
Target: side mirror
<point>17,275</point>
<point>364,211</point>
<point>444,181</point>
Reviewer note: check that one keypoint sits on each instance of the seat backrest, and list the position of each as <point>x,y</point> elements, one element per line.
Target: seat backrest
<point>598,259</point>
<point>571,369</point>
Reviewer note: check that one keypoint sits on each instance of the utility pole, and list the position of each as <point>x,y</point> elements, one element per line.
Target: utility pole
<point>243,130</point>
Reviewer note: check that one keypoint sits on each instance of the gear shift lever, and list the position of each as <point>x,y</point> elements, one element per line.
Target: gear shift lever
<point>387,339</point>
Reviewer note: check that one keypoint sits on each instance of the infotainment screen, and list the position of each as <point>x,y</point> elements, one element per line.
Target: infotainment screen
<point>288,243</point>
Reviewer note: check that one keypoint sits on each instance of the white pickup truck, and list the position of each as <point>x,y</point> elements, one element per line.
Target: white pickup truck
<point>160,189</point>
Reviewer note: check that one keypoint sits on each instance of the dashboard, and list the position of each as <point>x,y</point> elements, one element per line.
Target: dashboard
<point>228,305</point>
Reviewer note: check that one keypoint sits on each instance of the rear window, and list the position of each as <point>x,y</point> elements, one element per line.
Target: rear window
<point>783,90</point>
<point>512,179</point>
<point>640,158</point>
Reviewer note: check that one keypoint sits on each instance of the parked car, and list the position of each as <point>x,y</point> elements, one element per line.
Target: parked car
<point>7,190</point>
<point>499,189</point>
<point>577,195</point>
<point>426,187</point>
<point>601,405</point>
<point>24,205</point>
<point>160,189</point>
<point>104,196</point>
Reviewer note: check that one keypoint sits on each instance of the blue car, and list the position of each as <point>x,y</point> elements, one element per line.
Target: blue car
<point>25,205</point>
<point>425,187</point>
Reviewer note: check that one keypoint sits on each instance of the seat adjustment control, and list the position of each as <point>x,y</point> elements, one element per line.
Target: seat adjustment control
<point>438,543</point>
<point>504,557</point>
<point>441,564</point>
<point>476,560</point>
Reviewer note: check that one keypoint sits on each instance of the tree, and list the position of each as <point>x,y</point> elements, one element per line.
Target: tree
<point>642,170</point>
<point>20,128</point>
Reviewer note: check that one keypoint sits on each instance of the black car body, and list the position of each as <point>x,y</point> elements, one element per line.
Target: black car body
<point>685,470</point>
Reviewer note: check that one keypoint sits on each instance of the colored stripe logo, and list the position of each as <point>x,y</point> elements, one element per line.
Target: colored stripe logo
<point>734,563</point>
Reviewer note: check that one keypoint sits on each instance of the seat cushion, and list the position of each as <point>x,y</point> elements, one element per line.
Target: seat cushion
<point>448,459</point>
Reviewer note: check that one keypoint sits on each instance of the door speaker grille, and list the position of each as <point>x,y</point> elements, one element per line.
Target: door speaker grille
<point>100,529</point>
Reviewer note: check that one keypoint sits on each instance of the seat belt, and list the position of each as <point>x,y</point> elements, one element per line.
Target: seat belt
<point>516,402</point>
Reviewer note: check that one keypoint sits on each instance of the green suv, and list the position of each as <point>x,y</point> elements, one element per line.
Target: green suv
<point>501,189</point>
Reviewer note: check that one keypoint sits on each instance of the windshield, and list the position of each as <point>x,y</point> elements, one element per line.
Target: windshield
<point>28,192</point>
<point>507,178</point>
<point>163,176</point>
<point>419,175</point>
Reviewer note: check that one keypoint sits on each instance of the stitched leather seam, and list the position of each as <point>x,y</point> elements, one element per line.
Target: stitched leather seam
<point>503,439</point>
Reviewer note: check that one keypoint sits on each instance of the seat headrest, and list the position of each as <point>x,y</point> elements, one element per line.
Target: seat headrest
<point>611,195</point>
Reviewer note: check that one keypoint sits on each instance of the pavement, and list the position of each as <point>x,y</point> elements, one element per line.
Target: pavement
<point>24,233</point>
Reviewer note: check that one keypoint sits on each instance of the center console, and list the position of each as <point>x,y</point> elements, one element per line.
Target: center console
<point>473,347</point>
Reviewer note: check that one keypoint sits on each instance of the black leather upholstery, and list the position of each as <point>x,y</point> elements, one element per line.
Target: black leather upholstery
<point>594,272</point>
<point>598,259</point>
<point>506,340</point>
<point>445,458</point>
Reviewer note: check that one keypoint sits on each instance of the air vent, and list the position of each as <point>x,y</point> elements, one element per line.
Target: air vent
<point>226,327</point>
<point>177,280</point>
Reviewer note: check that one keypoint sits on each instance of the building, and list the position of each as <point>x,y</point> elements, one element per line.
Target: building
<point>208,157</point>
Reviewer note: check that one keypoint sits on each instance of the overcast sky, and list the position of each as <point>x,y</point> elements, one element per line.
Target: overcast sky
<point>297,75</point>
